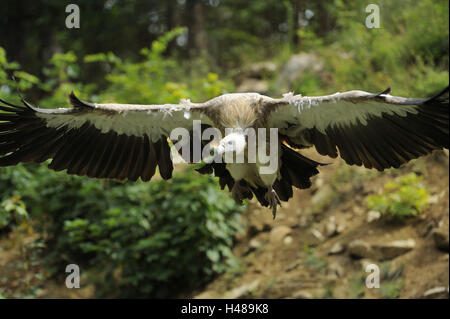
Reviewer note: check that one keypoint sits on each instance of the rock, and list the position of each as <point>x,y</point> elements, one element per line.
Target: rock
<point>394,249</point>
<point>314,237</point>
<point>340,228</point>
<point>260,227</point>
<point>293,265</point>
<point>385,251</point>
<point>281,216</point>
<point>40,293</point>
<point>242,291</point>
<point>311,293</point>
<point>343,188</point>
<point>253,245</point>
<point>296,67</point>
<point>323,195</point>
<point>331,227</point>
<point>302,294</point>
<point>86,292</point>
<point>264,69</point>
<point>207,295</point>
<point>253,85</point>
<point>424,229</point>
<point>304,221</point>
<point>288,240</point>
<point>258,70</point>
<point>358,210</point>
<point>434,199</point>
<point>318,182</point>
<point>373,215</point>
<point>360,249</point>
<point>437,292</point>
<point>366,262</point>
<point>336,249</point>
<point>441,239</point>
<point>334,271</point>
<point>278,233</point>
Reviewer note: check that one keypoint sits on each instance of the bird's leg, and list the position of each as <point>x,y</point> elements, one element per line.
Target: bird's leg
<point>273,199</point>
<point>239,191</point>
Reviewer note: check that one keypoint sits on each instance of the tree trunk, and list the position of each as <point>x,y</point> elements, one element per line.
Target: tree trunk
<point>201,42</point>
<point>299,26</point>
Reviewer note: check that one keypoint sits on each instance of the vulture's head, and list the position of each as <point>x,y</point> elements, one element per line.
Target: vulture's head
<point>232,143</point>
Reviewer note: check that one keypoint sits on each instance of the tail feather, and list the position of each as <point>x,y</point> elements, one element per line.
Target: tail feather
<point>296,170</point>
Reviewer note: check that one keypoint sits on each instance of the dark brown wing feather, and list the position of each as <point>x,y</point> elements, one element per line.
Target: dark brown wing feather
<point>386,141</point>
<point>84,151</point>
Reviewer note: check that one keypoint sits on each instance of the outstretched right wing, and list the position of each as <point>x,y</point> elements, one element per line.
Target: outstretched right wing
<point>375,130</point>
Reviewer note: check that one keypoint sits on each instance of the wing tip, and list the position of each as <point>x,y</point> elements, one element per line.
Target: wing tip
<point>387,91</point>
<point>77,103</point>
<point>28,105</point>
<point>439,95</point>
<point>384,92</point>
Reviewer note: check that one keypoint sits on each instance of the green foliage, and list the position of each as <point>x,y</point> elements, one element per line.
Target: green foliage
<point>356,286</point>
<point>12,212</point>
<point>402,198</point>
<point>391,289</point>
<point>156,234</point>
<point>391,283</point>
<point>312,260</point>
<point>155,79</point>
<point>23,267</point>
<point>377,58</point>
<point>11,77</point>
<point>309,38</point>
<point>373,59</point>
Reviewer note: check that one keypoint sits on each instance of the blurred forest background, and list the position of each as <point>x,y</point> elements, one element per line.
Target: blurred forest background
<point>186,237</point>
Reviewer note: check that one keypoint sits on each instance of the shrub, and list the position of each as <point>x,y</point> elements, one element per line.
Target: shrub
<point>391,277</point>
<point>141,239</point>
<point>401,198</point>
<point>12,212</point>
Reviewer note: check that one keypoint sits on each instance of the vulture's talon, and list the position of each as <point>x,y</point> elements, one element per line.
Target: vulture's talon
<point>274,200</point>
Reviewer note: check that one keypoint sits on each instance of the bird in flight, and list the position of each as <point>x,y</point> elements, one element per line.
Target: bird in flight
<point>128,141</point>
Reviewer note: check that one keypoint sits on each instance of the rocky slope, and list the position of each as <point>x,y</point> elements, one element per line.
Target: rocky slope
<point>322,241</point>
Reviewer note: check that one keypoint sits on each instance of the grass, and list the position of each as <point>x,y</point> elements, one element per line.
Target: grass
<point>402,198</point>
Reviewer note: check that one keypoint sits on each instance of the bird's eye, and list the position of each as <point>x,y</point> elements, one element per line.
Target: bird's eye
<point>230,142</point>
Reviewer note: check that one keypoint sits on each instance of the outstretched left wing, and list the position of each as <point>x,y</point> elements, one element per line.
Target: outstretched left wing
<point>375,130</point>
<point>98,140</point>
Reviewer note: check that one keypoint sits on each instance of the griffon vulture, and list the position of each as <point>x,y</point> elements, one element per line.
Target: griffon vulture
<point>128,141</point>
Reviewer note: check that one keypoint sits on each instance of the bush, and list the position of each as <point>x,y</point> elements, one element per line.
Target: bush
<point>391,277</point>
<point>141,239</point>
<point>373,59</point>
<point>12,212</point>
<point>405,197</point>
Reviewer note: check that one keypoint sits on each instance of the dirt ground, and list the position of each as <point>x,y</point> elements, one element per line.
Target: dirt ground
<point>305,252</point>
<point>290,257</point>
